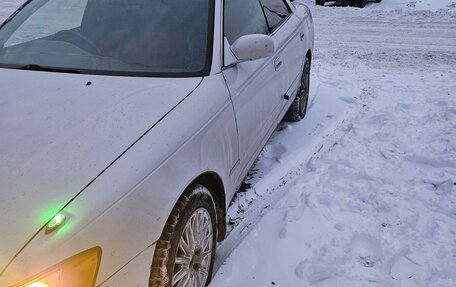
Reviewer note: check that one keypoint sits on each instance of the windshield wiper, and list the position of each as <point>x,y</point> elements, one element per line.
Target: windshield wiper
<point>15,13</point>
<point>35,67</point>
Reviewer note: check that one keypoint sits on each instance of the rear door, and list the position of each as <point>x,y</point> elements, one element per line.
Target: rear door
<point>287,29</point>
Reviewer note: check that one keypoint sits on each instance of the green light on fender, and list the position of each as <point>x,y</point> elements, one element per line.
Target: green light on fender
<point>55,223</point>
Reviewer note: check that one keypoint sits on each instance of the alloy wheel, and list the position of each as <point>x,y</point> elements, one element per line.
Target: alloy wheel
<point>194,254</point>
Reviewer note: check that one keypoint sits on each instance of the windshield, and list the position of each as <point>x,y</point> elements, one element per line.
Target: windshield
<point>114,37</point>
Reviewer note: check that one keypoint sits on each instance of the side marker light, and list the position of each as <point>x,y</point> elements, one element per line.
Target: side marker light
<point>58,220</point>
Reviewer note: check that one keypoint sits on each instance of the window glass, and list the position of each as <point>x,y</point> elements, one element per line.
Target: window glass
<point>48,20</point>
<point>276,11</point>
<point>111,37</point>
<point>243,17</point>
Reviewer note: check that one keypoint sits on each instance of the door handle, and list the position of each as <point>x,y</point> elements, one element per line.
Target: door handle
<point>301,35</point>
<point>278,63</point>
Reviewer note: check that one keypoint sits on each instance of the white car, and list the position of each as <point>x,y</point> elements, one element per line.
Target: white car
<point>126,127</point>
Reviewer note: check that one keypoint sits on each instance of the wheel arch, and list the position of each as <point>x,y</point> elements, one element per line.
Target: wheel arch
<point>309,56</point>
<point>214,183</point>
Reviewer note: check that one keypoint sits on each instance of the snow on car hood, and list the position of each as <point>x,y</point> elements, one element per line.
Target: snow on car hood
<point>59,131</point>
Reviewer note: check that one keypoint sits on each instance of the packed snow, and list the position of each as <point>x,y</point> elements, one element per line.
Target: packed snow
<point>362,192</point>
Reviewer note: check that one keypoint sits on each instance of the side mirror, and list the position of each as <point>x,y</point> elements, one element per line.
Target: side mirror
<point>253,47</point>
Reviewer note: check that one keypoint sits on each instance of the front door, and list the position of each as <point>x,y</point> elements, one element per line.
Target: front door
<point>255,86</point>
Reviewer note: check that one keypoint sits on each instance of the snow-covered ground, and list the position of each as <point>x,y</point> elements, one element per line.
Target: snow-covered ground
<point>362,192</point>
<point>432,5</point>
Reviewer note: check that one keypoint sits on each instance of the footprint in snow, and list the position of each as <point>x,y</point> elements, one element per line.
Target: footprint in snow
<point>366,250</point>
<point>347,100</point>
<point>323,278</point>
<point>440,186</point>
<point>275,152</point>
<point>406,269</point>
<point>328,282</point>
<point>379,119</point>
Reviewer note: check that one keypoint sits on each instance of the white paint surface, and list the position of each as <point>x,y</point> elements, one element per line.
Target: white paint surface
<point>374,159</point>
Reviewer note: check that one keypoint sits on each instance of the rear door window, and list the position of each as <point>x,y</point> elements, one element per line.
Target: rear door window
<point>275,11</point>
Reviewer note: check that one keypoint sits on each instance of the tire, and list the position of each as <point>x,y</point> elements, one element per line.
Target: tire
<point>361,3</point>
<point>298,109</point>
<point>377,1</point>
<point>320,2</point>
<point>174,255</point>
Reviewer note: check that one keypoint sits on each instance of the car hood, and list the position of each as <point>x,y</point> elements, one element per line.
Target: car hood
<point>58,132</point>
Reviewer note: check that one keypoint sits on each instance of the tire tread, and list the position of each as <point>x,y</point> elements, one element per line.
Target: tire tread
<point>159,272</point>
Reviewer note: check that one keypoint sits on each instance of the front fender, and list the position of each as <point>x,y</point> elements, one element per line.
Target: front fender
<point>125,209</point>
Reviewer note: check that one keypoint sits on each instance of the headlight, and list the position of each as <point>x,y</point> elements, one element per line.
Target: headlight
<point>78,271</point>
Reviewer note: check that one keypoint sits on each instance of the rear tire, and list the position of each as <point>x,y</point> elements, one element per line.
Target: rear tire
<point>377,1</point>
<point>185,252</point>
<point>360,3</point>
<point>320,2</point>
<point>298,109</point>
